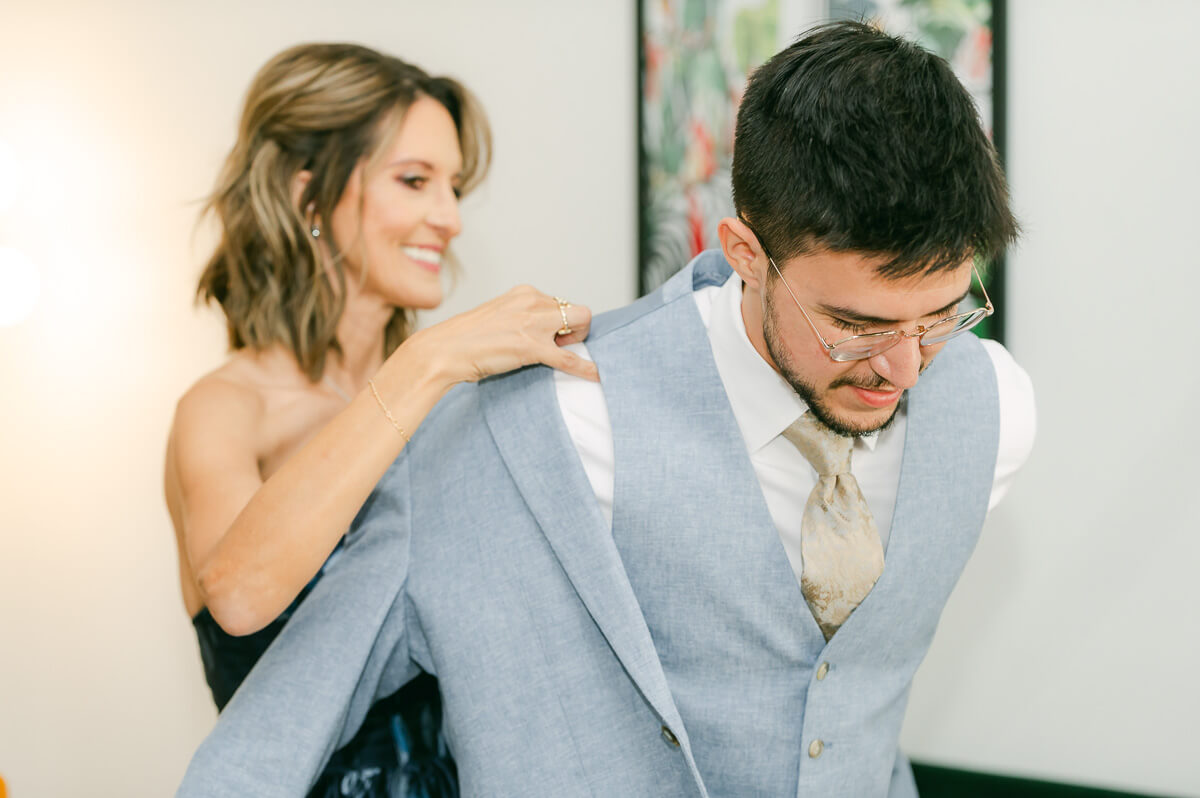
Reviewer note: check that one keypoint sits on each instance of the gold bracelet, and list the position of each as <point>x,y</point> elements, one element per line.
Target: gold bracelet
<point>386,412</point>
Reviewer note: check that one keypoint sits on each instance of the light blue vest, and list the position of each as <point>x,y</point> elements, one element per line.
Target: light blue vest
<point>737,642</point>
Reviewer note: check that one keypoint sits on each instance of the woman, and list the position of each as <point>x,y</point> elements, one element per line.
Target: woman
<point>337,204</point>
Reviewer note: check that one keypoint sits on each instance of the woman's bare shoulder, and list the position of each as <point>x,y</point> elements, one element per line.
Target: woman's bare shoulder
<point>228,402</point>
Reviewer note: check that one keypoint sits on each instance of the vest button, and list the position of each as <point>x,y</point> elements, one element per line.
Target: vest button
<point>670,737</point>
<point>822,671</point>
<point>815,749</point>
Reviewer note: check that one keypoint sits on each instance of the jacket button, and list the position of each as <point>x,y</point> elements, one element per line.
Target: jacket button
<point>815,749</point>
<point>822,671</point>
<point>670,737</point>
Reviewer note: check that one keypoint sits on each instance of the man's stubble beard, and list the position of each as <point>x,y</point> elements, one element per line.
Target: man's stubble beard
<point>808,392</point>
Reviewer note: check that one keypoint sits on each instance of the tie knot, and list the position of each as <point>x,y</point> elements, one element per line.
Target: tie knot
<point>828,452</point>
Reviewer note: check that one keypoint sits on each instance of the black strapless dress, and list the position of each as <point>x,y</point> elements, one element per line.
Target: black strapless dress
<point>398,753</point>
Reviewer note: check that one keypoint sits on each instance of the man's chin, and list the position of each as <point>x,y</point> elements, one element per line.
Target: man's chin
<point>855,423</point>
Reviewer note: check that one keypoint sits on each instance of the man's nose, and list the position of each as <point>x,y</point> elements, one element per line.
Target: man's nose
<point>900,365</point>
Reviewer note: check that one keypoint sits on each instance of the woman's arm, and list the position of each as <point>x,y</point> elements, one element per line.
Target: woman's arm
<point>253,545</point>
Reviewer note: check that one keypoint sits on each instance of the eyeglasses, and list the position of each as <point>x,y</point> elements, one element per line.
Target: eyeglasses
<point>861,347</point>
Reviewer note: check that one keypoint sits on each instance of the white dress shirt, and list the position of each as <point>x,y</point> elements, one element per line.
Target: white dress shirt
<point>764,405</point>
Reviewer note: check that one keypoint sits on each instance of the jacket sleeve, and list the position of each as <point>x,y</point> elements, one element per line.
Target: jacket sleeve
<point>345,646</point>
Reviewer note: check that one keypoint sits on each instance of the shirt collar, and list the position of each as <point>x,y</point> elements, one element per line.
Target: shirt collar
<point>763,403</point>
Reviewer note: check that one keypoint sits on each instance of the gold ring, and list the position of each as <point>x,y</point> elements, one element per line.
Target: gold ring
<point>563,304</point>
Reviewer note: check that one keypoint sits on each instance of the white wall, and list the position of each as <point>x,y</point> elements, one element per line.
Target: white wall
<point>1068,650</point>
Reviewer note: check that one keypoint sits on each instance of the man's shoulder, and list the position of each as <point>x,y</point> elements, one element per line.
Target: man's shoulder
<point>1011,378</point>
<point>961,361</point>
<point>991,363</point>
<point>1018,410</point>
<point>706,269</point>
<point>958,387</point>
<point>980,382</point>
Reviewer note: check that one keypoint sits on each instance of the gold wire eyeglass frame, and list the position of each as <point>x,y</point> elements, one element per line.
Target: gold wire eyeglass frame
<point>868,345</point>
<point>871,344</point>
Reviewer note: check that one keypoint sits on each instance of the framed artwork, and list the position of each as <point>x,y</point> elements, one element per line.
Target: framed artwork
<point>694,57</point>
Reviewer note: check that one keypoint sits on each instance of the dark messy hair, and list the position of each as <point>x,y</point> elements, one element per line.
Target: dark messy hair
<point>855,140</point>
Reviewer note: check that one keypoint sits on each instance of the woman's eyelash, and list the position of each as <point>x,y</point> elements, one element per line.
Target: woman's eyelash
<point>418,182</point>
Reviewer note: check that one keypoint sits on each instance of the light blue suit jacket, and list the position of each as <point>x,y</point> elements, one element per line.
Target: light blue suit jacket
<point>670,654</point>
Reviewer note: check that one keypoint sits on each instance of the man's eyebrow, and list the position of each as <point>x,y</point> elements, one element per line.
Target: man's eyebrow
<point>853,316</point>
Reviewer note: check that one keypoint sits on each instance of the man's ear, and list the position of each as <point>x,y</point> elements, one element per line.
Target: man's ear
<point>743,251</point>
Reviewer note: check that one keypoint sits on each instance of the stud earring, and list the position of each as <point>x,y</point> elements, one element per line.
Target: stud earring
<point>316,231</point>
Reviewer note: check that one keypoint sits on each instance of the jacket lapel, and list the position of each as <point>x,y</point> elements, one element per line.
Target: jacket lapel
<point>523,416</point>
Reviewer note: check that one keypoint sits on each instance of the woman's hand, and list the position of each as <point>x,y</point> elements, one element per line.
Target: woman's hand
<point>518,328</point>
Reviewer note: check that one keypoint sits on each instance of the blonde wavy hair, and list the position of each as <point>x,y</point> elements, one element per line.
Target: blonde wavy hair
<point>324,108</point>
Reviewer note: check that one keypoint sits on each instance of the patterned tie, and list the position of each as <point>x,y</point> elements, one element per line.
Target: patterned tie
<point>842,554</point>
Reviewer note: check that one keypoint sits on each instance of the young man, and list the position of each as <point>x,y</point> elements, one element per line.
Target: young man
<point>715,573</point>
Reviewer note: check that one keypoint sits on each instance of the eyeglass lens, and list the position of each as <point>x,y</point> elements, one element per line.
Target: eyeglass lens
<point>865,346</point>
